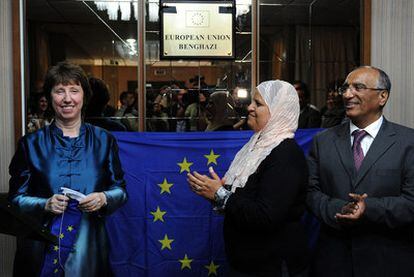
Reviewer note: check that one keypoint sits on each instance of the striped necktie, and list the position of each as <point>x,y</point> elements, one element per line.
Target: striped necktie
<point>356,147</point>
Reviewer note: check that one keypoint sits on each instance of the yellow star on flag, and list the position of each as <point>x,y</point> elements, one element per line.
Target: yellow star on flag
<point>165,186</point>
<point>186,262</point>
<point>70,228</point>
<point>184,166</point>
<point>61,236</point>
<point>212,268</point>
<point>212,158</point>
<point>56,248</point>
<point>158,214</point>
<point>166,242</point>
<point>55,261</point>
<point>56,270</point>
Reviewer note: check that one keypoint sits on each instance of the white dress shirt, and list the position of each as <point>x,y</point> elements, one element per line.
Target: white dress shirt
<point>372,131</point>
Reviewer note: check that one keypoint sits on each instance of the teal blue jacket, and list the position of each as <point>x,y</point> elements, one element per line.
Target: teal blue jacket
<point>44,162</point>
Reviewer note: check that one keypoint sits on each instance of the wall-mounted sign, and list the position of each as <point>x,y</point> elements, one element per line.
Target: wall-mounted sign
<point>197,29</point>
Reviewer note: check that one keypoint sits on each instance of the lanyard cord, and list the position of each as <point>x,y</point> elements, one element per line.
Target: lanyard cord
<point>59,239</point>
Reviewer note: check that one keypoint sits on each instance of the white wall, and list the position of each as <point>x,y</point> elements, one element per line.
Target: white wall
<point>392,50</point>
<point>7,244</point>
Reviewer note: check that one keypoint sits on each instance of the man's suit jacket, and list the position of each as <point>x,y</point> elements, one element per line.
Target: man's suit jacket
<point>382,242</point>
<point>309,118</point>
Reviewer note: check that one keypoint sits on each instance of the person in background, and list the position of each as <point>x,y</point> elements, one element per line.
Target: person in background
<point>361,186</point>
<point>198,82</point>
<point>220,112</point>
<point>177,108</point>
<point>155,95</point>
<point>164,97</point>
<point>334,112</point>
<point>109,111</point>
<point>127,100</point>
<point>128,111</point>
<point>40,114</point>
<point>76,155</point>
<point>262,195</point>
<point>196,112</point>
<point>309,115</point>
<point>158,121</point>
<point>94,113</point>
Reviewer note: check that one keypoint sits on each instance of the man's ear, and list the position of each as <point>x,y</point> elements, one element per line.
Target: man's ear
<point>384,97</point>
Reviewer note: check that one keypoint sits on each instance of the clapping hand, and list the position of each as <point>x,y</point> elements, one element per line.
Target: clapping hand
<point>204,185</point>
<point>354,210</point>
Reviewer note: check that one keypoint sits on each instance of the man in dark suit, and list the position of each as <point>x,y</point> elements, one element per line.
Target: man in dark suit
<point>361,186</point>
<point>309,116</point>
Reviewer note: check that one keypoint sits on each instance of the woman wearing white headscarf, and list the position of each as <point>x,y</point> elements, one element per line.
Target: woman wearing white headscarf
<point>262,194</point>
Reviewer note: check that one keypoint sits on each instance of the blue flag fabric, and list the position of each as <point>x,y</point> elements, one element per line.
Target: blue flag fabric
<point>165,229</point>
<point>64,227</point>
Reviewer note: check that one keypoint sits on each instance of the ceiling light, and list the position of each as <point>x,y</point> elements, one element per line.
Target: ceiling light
<point>112,7</point>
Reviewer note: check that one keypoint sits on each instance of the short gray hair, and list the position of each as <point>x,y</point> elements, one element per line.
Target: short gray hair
<point>383,79</point>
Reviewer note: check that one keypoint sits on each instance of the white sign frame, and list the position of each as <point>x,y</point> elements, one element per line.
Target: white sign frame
<point>197,30</point>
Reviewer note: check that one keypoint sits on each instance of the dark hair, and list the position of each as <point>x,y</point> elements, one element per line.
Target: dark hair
<point>34,105</point>
<point>124,95</point>
<point>100,97</point>
<point>196,78</point>
<point>34,102</point>
<point>303,87</point>
<point>205,92</point>
<point>334,85</point>
<point>384,80</point>
<point>66,73</point>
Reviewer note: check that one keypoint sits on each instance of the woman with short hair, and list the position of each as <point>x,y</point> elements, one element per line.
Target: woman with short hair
<point>76,156</point>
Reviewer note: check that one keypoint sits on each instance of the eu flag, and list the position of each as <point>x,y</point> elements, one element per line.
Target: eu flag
<point>165,229</point>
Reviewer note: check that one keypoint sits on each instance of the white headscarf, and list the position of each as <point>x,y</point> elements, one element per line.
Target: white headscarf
<point>283,102</point>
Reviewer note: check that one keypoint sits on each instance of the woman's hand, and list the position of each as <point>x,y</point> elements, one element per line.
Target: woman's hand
<point>93,202</point>
<point>204,185</point>
<point>57,204</point>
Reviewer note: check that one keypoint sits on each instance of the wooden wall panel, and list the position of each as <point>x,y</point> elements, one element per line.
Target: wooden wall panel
<point>366,32</point>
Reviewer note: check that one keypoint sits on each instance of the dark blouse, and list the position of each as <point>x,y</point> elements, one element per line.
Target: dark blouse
<point>44,162</point>
<point>262,225</point>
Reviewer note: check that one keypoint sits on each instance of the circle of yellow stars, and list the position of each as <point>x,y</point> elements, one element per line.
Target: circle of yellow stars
<point>197,19</point>
<point>158,214</point>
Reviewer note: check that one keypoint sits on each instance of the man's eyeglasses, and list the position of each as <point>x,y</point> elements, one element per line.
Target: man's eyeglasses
<point>355,87</point>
